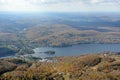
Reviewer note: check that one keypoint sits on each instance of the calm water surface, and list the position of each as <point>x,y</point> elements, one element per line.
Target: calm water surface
<point>77,50</point>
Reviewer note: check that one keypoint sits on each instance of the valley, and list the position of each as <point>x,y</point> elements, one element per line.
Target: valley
<point>24,32</point>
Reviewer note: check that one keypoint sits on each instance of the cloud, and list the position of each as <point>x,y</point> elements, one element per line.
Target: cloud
<point>56,1</point>
<point>16,5</point>
<point>95,1</point>
<point>58,5</point>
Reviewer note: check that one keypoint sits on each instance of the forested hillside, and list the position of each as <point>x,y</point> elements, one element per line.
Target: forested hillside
<point>27,31</point>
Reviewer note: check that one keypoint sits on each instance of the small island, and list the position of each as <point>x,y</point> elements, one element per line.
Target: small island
<point>50,52</point>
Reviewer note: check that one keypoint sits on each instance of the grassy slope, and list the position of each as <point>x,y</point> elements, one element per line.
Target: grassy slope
<point>84,67</point>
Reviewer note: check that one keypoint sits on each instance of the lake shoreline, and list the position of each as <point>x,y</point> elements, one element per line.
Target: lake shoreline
<point>83,45</point>
<point>77,49</point>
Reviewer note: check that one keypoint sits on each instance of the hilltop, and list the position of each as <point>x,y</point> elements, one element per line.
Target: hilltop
<point>103,66</point>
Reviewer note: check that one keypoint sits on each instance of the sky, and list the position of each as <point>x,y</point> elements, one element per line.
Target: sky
<point>60,5</point>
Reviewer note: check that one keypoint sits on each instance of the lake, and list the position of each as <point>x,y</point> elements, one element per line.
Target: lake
<point>6,52</point>
<point>76,50</point>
